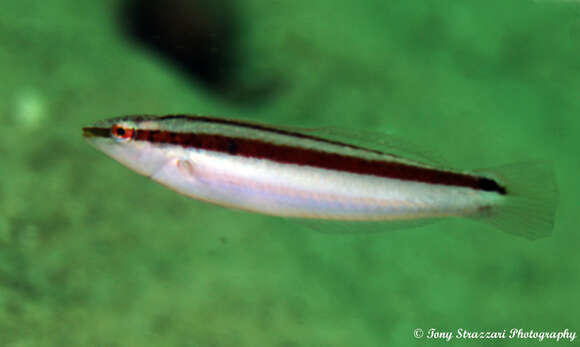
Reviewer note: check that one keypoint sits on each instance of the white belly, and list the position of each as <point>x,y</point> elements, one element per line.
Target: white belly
<point>301,191</point>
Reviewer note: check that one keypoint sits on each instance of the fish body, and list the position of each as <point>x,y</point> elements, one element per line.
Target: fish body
<point>303,174</point>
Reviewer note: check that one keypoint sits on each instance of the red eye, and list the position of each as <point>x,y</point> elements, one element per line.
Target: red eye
<point>121,132</point>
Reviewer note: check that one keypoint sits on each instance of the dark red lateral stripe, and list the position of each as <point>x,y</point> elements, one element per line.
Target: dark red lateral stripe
<point>301,156</point>
<point>250,125</point>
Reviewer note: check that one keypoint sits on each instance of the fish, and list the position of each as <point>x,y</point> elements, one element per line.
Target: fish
<point>323,174</point>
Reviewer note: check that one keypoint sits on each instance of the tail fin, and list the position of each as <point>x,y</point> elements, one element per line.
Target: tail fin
<point>530,205</point>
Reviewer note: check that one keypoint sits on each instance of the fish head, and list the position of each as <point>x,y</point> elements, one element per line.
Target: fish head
<point>119,139</point>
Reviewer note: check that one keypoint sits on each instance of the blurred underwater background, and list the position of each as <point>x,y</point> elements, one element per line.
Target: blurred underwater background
<point>92,254</point>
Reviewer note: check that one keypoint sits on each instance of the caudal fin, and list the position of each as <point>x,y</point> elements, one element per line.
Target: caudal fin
<point>530,205</point>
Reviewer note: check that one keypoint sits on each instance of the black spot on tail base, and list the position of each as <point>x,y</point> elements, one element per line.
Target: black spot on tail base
<point>490,185</point>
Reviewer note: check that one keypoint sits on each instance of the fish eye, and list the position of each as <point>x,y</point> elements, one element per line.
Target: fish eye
<point>121,132</point>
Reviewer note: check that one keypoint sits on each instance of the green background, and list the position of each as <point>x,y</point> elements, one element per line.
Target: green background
<point>92,254</point>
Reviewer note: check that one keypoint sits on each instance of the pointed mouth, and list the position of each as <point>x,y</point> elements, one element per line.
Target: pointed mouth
<point>89,132</point>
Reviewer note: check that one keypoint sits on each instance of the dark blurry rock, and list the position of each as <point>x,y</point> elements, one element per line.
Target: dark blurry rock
<point>201,37</point>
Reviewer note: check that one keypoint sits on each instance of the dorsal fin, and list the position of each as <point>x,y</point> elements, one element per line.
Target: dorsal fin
<point>377,141</point>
